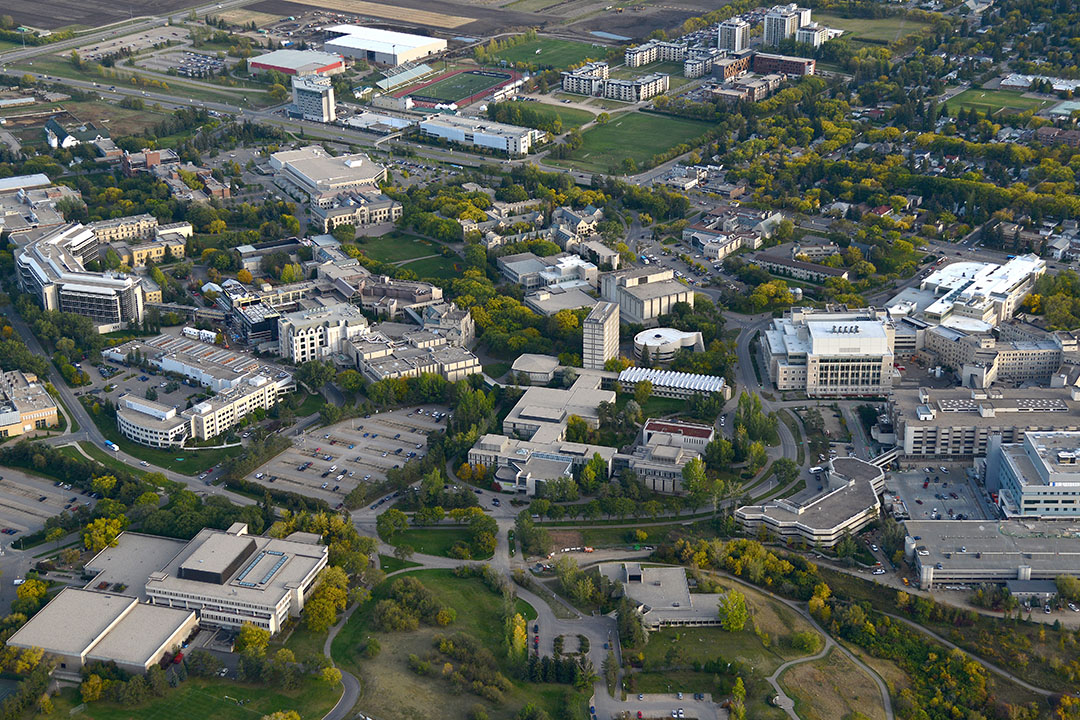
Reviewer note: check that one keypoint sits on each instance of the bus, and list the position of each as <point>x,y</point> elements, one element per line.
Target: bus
<point>110,445</point>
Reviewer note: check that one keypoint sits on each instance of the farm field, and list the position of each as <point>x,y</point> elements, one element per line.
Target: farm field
<point>832,687</point>
<point>203,698</point>
<point>556,54</point>
<point>993,101</point>
<point>457,87</point>
<point>571,117</point>
<point>87,13</point>
<point>634,135</point>
<point>880,30</point>
<point>397,246</point>
<point>390,690</point>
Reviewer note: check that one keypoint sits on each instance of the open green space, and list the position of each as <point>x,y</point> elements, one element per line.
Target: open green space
<point>181,461</point>
<point>118,120</point>
<point>601,537</point>
<point>654,406</point>
<point>832,687</point>
<point>635,136</point>
<point>311,404</point>
<point>457,87</point>
<point>433,541</point>
<point>553,53</point>
<point>204,698</point>
<point>571,117</point>
<point>883,29</point>
<point>389,689</point>
<point>435,268</point>
<point>302,641</point>
<point>107,459</point>
<point>389,564</point>
<point>497,370</point>
<point>397,246</point>
<point>993,101</point>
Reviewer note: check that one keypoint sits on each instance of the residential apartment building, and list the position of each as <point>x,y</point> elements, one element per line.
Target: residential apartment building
<point>958,423</point>
<point>783,21</point>
<point>586,80</point>
<point>313,97</point>
<point>1038,477</point>
<point>813,35</point>
<point>638,89</point>
<point>644,294</point>
<point>600,336</point>
<point>733,35</point>
<point>766,63</point>
<point>25,405</point>
<point>473,132</point>
<point>653,51</point>
<point>826,354</point>
<point>318,333</point>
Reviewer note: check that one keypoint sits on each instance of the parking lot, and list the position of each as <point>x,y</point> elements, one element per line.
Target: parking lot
<point>26,502</point>
<point>946,496</point>
<point>111,380</point>
<point>184,62</point>
<point>336,459</point>
<point>135,43</point>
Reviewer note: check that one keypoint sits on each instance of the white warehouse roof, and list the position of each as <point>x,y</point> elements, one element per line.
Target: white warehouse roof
<point>376,40</point>
<point>672,379</point>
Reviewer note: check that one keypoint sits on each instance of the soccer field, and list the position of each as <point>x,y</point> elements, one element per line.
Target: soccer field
<point>881,30</point>
<point>552,53</point>
<point>991,101</point>
<point>458,87</point>
<point>633,135</point>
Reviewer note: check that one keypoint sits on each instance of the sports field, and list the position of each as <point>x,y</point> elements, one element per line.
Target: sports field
<point>993,101</point>
<point>878,30</point>
<point>458,87</point>
<point>571,117</point>
<point>633,135</point>
<point>556,54</point>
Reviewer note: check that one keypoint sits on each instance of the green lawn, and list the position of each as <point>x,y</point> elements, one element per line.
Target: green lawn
<point>303,642</point>
<point>181,461</point>
<point>555,54</point>
<point>601,537</point>
<point>397,246</point>
<point>497,370</point>
<point>107,458</point>
<point>571,117</point>
<point>390,690</point>
<point>457,87</point>
<point>633,135</point>
<point>431,541</point>
<point>389,564</point>
<point>311,405</point>
<point>654,406</point>
<point>885,29</point>
<point>436,268</point>
<point>203,698</point>
<point>992,101</point>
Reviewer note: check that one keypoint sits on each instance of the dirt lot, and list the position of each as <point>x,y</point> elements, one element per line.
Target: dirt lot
<point>832,687</point>
<point>87,13</point>
<point>135,43</point>
<point>353,451</point>
<point>21,506</point>
<point>638,19</point>
<point>434,14</point>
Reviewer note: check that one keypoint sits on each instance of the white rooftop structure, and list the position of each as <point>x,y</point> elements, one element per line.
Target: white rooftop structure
<point>382,46</point>
<point>983,291</point>
<point>669,383</point>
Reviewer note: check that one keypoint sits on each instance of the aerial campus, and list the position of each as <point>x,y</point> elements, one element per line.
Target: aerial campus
<point>537,360</point>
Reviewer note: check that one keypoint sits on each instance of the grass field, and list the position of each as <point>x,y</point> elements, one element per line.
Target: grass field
<point>202,698</point>
<point>886,29</point>
<point>430,541</point>
<point>571,117</point>
<point>992,101</point>
<point>435,268</point>
<point>390,690</point>
<point>389,564</point>
<point>397,246</point>
<point>633,135</point>
<point>107,459</point>
<point>833,687</point>
<point>556,54</point>
<point>457,87</point>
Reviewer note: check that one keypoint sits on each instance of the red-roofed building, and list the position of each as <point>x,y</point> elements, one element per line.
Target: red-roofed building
<point>686,434</point>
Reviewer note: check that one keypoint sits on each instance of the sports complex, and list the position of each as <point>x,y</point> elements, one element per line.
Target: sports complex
<point>459,86</point>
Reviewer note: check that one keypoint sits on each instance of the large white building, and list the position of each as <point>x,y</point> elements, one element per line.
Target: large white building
<point>1039,477</point>
<point>971,296</point>
<point>510,139</point>
<point>733,35</point>
<point>320,332</point>
<point>826,354</point>
<point>52,269</point>
<point>783,21</point>
<point>600,336</point>
<point>644,294</point>
<point>383,47</point>
<point>313,96</point>
<point>662,344</point>
<point>318,174</point>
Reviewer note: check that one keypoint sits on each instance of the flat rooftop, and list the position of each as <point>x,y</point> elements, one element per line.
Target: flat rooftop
<point>132,560</point>
<point>1047,546</point>
<point>1027,407</point>
<point>139,634</point>
<point>72,622</point>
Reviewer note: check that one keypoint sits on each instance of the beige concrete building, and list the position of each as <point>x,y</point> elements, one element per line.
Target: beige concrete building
<point>644,294</point>
<point>130,227</point>
<point>25,405</point>
<point>600,336</point>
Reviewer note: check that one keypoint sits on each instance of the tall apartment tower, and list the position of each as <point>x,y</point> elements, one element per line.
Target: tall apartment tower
<point>733,35</point>
<point>313,96</point>
<point>783,21</point>
<point>600,336</point>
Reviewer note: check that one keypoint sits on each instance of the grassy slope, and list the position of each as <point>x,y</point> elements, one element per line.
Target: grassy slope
<point>633,135</point>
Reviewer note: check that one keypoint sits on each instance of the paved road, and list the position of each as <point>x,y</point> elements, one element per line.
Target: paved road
<point>350,692</point>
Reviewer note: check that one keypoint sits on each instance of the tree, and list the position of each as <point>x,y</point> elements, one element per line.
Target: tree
<point>252,640</point>
<point>55,535</point>
<point>315,374</point>
<point>283,715</point>
<point>244,276</point>
<point>350,380</point>
<point>786,471</point>
<point>643,390</point>
<point>391,523</point>
<point>278,92</point>
<point>330,675</point>
<point>732,610</point>
<point>102,533</point>
<point>403,552</point>
<point>577,430</point>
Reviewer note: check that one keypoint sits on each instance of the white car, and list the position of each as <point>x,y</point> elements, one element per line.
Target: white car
<point>144,463</point>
